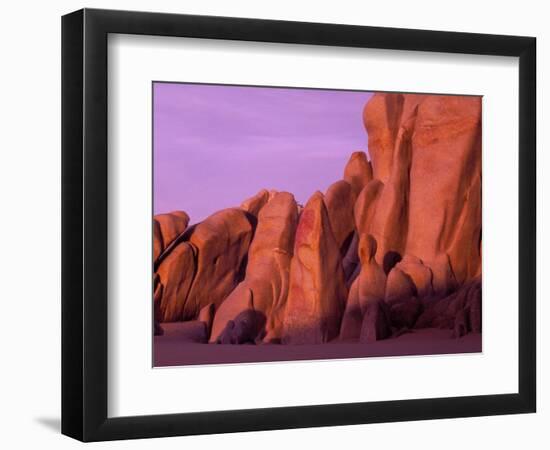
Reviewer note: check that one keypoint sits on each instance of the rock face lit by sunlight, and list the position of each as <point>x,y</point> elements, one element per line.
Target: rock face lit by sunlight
<point>383,259</point>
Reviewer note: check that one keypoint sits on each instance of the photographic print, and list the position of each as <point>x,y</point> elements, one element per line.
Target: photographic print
<point>304,224</point>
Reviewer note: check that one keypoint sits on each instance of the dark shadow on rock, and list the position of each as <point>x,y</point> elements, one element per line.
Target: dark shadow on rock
<point>157,329</point>
<point>241,273</point>
<point>376,322</point>
<point>391,258</point>
<point>253,221</point>
<point>347,243</point>
<point>247,328</point>
<point>405,313</point>
<point>350,260</point>
<point>183,237</point>
<point>461,311</point>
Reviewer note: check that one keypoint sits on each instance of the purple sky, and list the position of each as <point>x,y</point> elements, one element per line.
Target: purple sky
<point>215,146</point>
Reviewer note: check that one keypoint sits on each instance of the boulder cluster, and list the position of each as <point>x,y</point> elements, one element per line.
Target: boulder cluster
<point>393,246</point>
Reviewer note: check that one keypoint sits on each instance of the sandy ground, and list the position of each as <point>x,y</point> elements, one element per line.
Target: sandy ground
<point>176,348</point>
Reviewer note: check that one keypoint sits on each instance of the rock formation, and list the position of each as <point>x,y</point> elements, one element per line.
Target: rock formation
<point>399,286</point>
<point>253,205</point>
<point>205,266</point>
<point>206,316</point>
<point>176,273</point>
<point>222,242</point>
<point>340,201</point>
<point>395,245</point>
<point>419,274</point>
<point>265,286</point>
<point>166,228</point>
<point>459,311</point>
<point>376,322</point>
<point>358,172</point>
<point>317,291</point>
<point>368,287</point>
<point>426,149</point>
<point>157,298</point>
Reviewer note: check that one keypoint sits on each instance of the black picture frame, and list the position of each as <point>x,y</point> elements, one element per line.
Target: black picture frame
<point>84,224</point>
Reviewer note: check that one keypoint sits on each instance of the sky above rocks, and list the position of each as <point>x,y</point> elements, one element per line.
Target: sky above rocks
<point>215,145</point>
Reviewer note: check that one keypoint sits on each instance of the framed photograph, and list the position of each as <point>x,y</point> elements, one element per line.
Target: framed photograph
<point>273,224</point>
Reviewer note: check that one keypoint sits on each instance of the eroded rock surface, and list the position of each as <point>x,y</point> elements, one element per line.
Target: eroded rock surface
<point>166,228</point>
<point>368,287</point>
<point>265,285</point>
<point>340,202</point>
<point>317,292</point>
<point>358,171</point>
<point>426,150</point>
